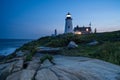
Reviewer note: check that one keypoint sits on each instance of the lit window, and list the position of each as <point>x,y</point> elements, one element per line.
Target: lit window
<point>77,32</point>
<point>87,29</point>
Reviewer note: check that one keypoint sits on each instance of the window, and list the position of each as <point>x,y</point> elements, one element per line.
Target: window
<point>87,29</point>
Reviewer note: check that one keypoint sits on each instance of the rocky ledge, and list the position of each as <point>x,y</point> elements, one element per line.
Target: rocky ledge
<point>65,68</point>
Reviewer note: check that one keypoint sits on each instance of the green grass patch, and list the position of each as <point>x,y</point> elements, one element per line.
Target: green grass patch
<point>107,51</point>
<point>45,57</point>
<point>108,48</point>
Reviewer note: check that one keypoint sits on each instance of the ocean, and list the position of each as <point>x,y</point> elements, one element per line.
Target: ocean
<point>8,46</point>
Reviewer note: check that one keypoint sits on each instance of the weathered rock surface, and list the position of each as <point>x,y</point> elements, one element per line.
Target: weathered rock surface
<point>46,74</point>
<point>34,64</point>
<point>72,44</point>
<point>22,75</point>
<point>14,76</point>
<point>22,53</point>
<point>66,68</point>
<point>18,65</point>
<point>48,49</point>
<point>46,64</point>
<point>62,75</point>
<point>93,43</point>
<point>87,69</point>
<point>5,70</point>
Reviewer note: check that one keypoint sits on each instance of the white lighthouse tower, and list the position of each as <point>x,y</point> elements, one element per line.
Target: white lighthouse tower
<point>68,24</point>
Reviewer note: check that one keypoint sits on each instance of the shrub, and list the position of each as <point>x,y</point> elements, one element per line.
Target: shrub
<point>45,57</point>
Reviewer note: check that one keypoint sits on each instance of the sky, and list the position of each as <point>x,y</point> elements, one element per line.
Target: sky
<point>31,19</point>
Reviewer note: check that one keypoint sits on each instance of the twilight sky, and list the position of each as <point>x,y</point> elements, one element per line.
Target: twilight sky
<point>32,19</point>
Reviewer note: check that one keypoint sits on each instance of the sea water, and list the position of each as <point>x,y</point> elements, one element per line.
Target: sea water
<point>8,46</point>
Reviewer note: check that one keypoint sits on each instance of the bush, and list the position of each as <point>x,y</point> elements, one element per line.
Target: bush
<point>45,57</point>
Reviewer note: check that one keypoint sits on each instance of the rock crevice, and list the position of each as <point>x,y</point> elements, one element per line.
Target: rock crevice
<point>66,68</point>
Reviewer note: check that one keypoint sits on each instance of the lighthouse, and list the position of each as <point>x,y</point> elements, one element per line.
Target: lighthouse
<point>68,24</point>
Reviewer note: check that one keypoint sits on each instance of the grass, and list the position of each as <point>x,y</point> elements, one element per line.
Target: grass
<point>107,51</point>
<point>108,48</point>
<point>82,50</point>
<point>45,57</point>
